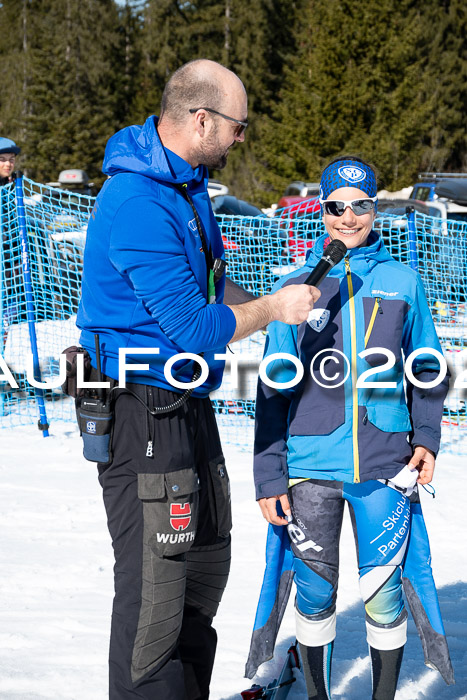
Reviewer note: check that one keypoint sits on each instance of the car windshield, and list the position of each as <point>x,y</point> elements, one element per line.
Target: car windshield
<point>397,207</point>
<point>423,192</point>
<point>394,211</point>
<point>457,215</point>
<point>226,204</point>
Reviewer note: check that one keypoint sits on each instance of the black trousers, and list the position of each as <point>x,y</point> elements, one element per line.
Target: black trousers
<point>167,498</point>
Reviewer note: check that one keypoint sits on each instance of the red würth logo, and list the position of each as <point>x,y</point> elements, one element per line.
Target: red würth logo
<point>180,515</point>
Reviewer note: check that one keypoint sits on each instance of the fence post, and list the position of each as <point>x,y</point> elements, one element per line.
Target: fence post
<point>2,398</point>
<point>30,311</point>
<point>413,256</point>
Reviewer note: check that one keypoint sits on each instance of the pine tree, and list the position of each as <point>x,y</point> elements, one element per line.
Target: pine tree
<point>370,79</point>
<point>130,48</point>
<point>444,87</point>
<point>69,92</point>
<point>261,39</point>
<point>385,79</point>
<point>174,33</point>
<point>14,30</point>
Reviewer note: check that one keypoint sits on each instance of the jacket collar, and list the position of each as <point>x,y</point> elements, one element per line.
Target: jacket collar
<point>138,149</point>
<point>361,259</point>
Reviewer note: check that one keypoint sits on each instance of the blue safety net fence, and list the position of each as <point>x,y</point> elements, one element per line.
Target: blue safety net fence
<point>40,271</point>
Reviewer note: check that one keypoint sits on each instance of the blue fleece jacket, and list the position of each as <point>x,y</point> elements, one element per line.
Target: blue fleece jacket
<point>354,416</point>
<point>145,274</point>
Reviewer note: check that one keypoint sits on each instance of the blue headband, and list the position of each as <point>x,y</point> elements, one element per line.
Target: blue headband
<point>347,173</point>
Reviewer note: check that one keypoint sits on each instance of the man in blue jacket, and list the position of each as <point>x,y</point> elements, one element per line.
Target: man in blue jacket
<point>153,286</point>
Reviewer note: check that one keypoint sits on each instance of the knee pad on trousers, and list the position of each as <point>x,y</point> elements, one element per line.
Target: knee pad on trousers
<point>315,594</point>
<point>381,589</point>
<point>315,630</point>
<point>161,613</point>
<point>387,637</point>
<point>207,571</point>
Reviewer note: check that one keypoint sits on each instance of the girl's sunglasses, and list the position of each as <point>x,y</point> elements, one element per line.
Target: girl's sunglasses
<point>336,207</point>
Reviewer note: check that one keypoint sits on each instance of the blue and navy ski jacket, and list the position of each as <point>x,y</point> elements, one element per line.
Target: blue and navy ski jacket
<point>145,273</point>
<point>334,424</point>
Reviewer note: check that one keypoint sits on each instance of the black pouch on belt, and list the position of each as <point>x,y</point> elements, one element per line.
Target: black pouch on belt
<point>95,419</point>
<point>70,385</point>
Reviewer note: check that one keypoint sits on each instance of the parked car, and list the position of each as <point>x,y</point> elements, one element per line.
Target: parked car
<point>277,235</point>
<point>392,223</point>
<point>449,189</point>
<point>399,206</point>
<point>51,337</point>
<point>228,204</point>
<point>446,247</point>
<point>247,233</point>
<point>215,187</point>
<point>397,210</point>
<point>297,191</point>
<point>295,222</point>
<point>74,180</point>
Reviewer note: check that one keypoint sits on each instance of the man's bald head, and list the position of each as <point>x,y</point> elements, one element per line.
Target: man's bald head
<point>199,83</point>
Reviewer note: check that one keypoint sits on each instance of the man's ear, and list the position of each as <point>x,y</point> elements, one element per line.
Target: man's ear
<point>200,123</point>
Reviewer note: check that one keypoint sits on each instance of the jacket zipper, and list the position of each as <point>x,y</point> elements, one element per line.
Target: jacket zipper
<point>149,418</point>
<point>377,307</point>
<point>353,365</point>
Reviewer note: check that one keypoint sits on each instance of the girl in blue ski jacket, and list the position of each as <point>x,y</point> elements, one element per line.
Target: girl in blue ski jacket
<point>361,426</point>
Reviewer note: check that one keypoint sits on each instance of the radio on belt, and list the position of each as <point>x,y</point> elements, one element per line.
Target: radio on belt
<point>95,419</point>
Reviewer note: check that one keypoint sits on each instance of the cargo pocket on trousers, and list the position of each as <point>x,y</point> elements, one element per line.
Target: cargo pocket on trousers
<point>170,517</point>
<point>220,496</point>
<point>170,510</point>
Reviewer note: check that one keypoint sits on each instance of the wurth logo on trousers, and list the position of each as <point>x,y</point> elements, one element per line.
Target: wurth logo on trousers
<point>180,515</point>
<point>167,537</point>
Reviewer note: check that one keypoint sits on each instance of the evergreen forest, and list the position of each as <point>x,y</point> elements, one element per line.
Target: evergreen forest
<point>384,79</point>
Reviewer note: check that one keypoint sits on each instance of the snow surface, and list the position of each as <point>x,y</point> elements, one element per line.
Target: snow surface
<point>56,585</point>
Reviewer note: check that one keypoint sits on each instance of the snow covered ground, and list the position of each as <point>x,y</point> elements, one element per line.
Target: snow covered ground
<point>56,581</point>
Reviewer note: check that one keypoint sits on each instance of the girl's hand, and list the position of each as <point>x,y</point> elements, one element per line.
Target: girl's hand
<point>269,509</point>
<point>423,460</point>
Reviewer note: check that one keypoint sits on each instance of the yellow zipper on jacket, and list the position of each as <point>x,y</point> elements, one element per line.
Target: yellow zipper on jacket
<point>353,366</point>
<point>376,307</point>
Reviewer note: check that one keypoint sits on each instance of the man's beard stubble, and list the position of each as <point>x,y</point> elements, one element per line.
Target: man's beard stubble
<point>211,156</point>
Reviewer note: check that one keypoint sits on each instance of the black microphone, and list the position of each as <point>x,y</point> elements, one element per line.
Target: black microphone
<point>333,254</point>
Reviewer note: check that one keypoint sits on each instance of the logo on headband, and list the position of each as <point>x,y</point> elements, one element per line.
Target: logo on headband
<point>351,173</point>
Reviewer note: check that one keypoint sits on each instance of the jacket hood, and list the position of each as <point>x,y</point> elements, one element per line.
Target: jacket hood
<point>138,149</point>
<point>367,256</point>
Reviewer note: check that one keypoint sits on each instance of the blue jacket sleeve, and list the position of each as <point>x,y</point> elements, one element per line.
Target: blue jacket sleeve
<point>425,404</point>
<point>272,413</point>
<point>147,250</point>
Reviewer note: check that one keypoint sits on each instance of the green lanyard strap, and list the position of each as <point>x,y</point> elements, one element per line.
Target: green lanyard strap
<point>206,249</point>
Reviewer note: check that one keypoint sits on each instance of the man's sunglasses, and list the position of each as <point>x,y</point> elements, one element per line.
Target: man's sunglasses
<point>238,130</point>
<point>336,207</point>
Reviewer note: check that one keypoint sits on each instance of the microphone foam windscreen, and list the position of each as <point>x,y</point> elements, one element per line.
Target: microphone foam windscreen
<point>336,250</point>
